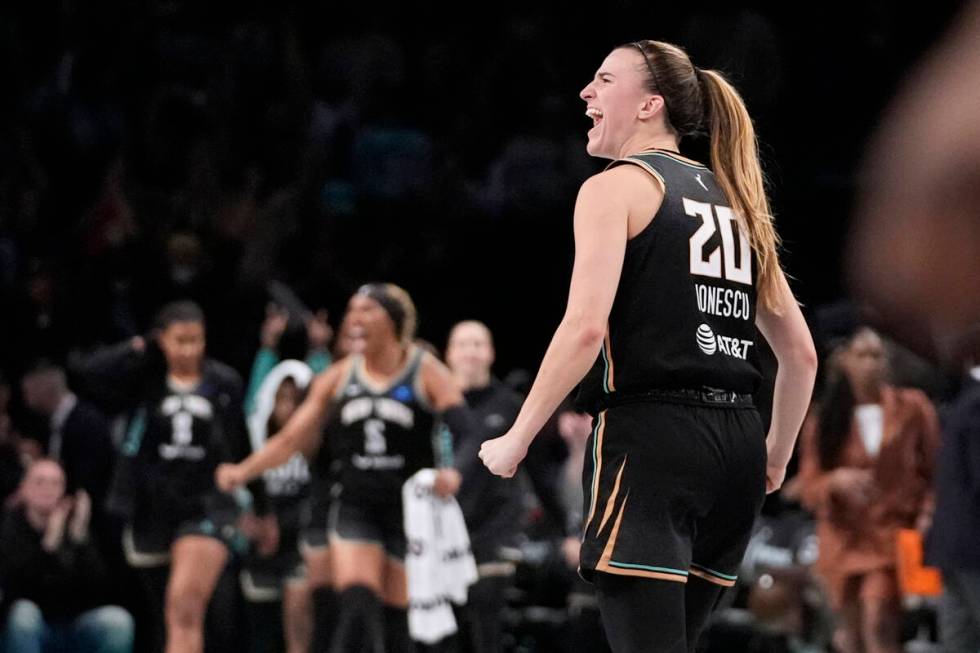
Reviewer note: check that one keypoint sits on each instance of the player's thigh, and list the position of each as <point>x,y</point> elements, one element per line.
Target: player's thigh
<point>196,564</point>
<point>357,563</point>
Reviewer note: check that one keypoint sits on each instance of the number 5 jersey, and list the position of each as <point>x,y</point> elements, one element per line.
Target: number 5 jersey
<point>381,434</point>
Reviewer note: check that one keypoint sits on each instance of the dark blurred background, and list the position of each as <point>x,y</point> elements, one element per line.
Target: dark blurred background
<point>156,149</point>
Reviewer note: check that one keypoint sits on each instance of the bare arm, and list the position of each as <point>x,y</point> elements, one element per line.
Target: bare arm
<point>440,386</point>
<point>601,227</point>
<point>301,433</point>
<point>789,337</point>
<point>444,394</point>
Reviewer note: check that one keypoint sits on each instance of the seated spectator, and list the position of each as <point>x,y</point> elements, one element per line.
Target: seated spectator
<point>51,574</point>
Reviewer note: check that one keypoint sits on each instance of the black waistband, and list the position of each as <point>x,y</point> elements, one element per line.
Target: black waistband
<point>712,397</point>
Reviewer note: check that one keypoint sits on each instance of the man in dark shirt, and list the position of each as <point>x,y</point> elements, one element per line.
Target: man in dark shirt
<point>50,573</point>
<point>78,434</point>
<point>493,507</point>
<point>952,541</point>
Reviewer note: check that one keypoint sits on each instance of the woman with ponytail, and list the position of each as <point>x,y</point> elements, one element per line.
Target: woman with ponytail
<point>866,468</point>
<point>676,266</point>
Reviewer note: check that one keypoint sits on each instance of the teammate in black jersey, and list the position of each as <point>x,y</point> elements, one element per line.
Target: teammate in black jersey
<point>377,413</point>
<point>186,418</point>
<point>675,266</point>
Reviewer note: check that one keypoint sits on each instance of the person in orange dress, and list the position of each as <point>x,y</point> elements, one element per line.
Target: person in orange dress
<point>866,468</point>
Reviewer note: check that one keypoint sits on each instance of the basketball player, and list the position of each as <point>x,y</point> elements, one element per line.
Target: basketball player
<point>380,410</point>
<point>675,266</point>
<point>186,419</point>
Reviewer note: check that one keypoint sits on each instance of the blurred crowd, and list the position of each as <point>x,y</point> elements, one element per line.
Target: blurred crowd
<point>174,149</point>
<point>824,571</point>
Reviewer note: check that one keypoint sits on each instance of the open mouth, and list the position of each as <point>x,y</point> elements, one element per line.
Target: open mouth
<point>595,114</point>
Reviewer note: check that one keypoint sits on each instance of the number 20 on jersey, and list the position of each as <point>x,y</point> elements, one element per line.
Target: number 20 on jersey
<point>721,258</point>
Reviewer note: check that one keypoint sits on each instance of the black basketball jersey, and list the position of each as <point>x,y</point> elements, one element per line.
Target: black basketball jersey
<point>684,312</point>
<point>381,435</point>
<point>180,435</point>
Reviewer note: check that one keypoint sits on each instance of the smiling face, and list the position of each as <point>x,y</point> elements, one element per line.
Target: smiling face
<point>43,486</point>
<point>469,353</point>
<point>618,101</point>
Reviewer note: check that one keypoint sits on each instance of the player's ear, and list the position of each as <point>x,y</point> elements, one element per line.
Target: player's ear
<point>652,105</point>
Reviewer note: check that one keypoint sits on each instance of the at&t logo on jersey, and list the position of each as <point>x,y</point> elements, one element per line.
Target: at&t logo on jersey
<point>710,344</point>
<point>706,340</point>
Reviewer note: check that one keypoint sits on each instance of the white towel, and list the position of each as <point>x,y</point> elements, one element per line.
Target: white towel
<point>438,562</point>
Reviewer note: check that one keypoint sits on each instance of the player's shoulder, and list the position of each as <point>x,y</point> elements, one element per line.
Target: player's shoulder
<point>622,171</point>
<point>625,179</point>
<point>431,367</point>
<point>331,378</point>
<point>222,375</point>
<point>437,382</point>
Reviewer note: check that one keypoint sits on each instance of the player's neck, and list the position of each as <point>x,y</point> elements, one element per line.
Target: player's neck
<point>385,361</point>
<point>184,379</point>
<point>647,142</point>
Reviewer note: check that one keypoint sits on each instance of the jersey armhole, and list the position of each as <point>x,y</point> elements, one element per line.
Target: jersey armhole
<point>345,379</point>
<point>417,383</point>
<point>645,166</point>
<point>653,172</point>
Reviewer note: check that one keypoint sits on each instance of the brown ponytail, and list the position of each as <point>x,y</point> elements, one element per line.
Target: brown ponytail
<point>695,99</point>
<point>735,162</point>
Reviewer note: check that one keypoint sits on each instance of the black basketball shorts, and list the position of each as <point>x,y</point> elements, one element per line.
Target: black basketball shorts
<point>672,490</point>
<point>156,525</point>
<point>370,522</point>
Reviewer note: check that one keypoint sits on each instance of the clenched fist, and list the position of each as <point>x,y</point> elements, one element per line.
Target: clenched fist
<point>502,455</point>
